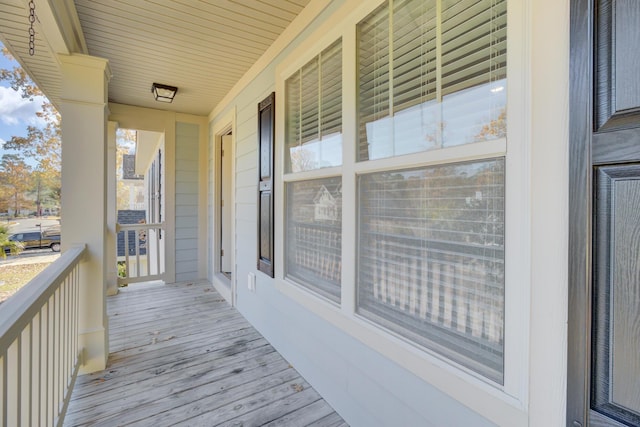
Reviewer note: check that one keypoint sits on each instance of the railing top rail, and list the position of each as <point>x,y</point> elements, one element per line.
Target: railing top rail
<point>24,305</point>
<point>141,226</point>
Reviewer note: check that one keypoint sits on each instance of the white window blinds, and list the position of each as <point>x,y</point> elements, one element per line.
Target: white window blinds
<point>314,112</point>
<point>431,259</point>
<point>431,74</point>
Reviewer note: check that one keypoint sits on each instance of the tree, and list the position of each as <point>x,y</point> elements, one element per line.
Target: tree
<point>42,143</point>
<point>496,128</point>
<point>15,175</point>
<point>126,140</point>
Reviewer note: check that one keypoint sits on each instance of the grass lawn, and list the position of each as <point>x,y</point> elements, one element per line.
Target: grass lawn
<point>13,277</point>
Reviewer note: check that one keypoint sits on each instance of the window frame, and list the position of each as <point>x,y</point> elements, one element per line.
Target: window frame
<point>504,404</point>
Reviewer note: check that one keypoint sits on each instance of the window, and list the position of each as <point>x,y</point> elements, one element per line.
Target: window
<point>314,235</point>
<point>313,141</point>
<point>421,178</point>
<point>432,75</point>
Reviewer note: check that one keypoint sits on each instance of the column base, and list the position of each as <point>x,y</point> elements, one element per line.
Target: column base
<point>95,351</point>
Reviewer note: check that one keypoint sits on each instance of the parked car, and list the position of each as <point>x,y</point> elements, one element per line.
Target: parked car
<point>37,239</point>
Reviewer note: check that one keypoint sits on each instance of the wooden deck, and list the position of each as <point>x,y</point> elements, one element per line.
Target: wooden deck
<point>180,355</point>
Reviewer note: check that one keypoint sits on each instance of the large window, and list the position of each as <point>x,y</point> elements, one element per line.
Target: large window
<point>406,197</point>
<point>432,75</point>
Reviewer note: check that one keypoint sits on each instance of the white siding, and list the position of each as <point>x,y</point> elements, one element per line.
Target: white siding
<point>186,201</point>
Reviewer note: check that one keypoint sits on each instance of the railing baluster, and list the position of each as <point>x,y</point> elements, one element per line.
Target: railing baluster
<point>35,369</point>
<point>18,388</point>
<point>158,249</point>
<point>25,375</point>
<point>137,246</point>
<point>3,388</point>
<point>65,334</point>
<point>49,361</point>
<point>44,367</point>
<point>11,372</point>
<point>127,272</point>
<point>147,235</point>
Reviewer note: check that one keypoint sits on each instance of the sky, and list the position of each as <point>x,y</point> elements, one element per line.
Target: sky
<point>16,113</point>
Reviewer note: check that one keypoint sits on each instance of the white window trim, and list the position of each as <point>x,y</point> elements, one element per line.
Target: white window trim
<point>504,405</point>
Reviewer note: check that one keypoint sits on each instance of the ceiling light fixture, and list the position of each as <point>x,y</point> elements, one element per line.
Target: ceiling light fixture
<point>163,93</point>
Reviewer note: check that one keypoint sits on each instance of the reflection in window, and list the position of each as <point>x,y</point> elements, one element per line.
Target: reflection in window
<point>432,81</point>
<point>314,235</point>
<point>431,258</point>
<point>314,113</point>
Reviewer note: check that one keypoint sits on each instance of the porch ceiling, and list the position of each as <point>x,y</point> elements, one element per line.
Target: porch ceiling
<point>202,47</point>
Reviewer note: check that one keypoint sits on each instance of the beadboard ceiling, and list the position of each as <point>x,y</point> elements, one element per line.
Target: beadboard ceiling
<point>202,47</point>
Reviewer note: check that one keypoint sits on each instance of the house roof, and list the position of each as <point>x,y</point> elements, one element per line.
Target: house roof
<point>203,48</point>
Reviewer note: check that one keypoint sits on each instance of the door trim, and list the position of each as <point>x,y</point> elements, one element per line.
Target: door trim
<point>580,211</point>
<point>227,288</point>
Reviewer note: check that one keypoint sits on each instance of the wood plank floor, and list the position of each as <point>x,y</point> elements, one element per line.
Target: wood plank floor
<point>180,355</point>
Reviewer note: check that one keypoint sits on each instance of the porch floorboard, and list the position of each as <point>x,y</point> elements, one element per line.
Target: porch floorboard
<point>180,355</point>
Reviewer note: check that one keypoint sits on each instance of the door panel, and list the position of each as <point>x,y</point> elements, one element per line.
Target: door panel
<point>625,298</point>
<point>616,82</point>
<point>616,307</point>
<point>626,39</point>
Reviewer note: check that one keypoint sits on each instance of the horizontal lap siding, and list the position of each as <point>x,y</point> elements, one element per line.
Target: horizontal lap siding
<point>186,201</point>
<point>364,387</point>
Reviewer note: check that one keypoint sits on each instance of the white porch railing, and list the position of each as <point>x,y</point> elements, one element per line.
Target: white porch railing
<point>39,354</point>
<point>143,257</point>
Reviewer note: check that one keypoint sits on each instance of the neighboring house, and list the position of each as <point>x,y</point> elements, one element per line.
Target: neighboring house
<point>130,217</point>
<point>416,201</point>
<point>134,183</point>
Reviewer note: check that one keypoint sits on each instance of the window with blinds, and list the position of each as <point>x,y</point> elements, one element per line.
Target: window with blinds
<point>431,74</point>
<point>314,113</point>
<point>314,235</point>
<point>431,258</point>
<point>428,263</point>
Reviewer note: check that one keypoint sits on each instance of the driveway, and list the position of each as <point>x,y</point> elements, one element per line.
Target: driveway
<point>28,224</point>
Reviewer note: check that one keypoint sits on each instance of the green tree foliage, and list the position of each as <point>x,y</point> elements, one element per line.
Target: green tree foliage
<point>42,144</point>
<point>15,176</point>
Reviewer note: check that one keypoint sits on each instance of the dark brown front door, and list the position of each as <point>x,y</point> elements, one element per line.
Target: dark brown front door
<point>604,299</point>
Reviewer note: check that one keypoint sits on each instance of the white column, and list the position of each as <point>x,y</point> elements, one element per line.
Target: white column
<point>84,193</point>
<point>112,212</point>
